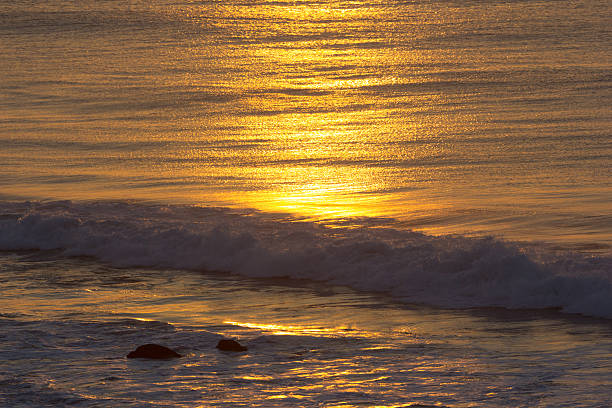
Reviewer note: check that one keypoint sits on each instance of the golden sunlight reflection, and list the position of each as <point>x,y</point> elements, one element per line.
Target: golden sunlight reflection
<point>280,329</point>
<point>312,112</point>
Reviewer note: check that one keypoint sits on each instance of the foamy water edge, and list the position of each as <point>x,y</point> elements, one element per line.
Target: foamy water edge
<point>445,271</point>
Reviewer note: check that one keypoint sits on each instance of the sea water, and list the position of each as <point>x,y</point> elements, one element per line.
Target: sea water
<point>68,323</point>
<point>390,203</point>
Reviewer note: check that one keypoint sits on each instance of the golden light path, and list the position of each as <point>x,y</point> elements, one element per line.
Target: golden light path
<point>320,103</point>
<point>280,329</point>
<point>324,110</point>
<point>289,110</point>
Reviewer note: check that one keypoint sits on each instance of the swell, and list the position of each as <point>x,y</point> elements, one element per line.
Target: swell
<point>447,271</point>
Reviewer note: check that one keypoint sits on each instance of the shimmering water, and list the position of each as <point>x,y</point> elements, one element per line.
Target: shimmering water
<point>65,336</point>
<point>486,117</point>
<point>288,173</point>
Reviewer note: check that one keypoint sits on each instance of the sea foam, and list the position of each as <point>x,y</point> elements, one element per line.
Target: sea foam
<point>447,271</point>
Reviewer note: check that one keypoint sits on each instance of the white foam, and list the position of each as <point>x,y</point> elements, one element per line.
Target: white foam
<point>443,271</point>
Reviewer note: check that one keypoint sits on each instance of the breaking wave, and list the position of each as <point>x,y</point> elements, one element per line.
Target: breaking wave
<point>447,271</point>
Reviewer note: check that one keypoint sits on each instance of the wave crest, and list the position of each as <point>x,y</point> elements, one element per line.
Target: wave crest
<point>448,271</point>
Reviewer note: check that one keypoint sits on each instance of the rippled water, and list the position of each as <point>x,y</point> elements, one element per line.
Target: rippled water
<point>331,131</point>
<point>452,117</point>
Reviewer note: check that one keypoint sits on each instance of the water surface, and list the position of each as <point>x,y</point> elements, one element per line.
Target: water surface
<point>317,179</point>
<point>449,117</point>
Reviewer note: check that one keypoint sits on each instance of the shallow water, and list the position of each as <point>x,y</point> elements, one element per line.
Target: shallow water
<point>68,324</point>
<point>84,284</point>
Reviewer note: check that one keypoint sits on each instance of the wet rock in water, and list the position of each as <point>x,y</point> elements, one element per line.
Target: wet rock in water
<point>154,351</point>
<point>230,345</point>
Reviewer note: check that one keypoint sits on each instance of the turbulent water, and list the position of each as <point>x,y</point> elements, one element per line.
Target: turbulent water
<point>415,268</point>
<point>301,175</point>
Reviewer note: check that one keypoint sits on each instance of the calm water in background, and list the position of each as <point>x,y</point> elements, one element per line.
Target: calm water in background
<point>331,131</point>
<point>452,117</point>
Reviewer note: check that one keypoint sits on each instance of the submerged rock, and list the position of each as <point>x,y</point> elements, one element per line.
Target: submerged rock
<point>230,345</point>
<point>154,351</point>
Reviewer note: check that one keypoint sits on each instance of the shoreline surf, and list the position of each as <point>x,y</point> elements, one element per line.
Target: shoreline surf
<point>443,271</point>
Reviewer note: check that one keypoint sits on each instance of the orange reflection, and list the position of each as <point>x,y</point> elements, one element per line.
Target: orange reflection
<point>280,329</point>
<point>312,114</point>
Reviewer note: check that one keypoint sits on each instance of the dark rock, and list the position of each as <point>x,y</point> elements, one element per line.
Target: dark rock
<point>230,345</point>
<point>154,351</point>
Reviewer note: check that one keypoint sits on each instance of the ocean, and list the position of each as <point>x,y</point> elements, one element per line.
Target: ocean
<point>390,203</point>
